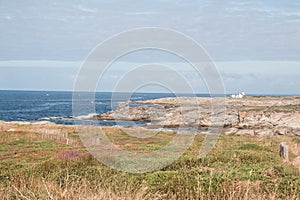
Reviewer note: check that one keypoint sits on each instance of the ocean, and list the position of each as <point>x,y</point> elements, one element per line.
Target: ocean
<point>56,107</point>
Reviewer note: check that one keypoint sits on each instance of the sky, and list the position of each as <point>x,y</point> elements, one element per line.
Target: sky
<point>254,44</point>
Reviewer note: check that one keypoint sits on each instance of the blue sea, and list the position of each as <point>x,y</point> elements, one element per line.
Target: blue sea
<point>56,107</point>
<point>33,106</point>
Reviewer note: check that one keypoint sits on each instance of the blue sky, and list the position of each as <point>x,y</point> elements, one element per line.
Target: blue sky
<point>255,44</point>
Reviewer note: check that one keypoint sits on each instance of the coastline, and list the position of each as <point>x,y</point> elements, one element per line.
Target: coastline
<point>252,159</point>
<point>250,116</point>
<point>262,116</point>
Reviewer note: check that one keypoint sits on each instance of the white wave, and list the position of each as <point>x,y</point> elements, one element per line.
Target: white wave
<point>85,117</point>
<point>27,123</point>
<point>46,118</point>
<point>82,117</point>
<point>51,118</point>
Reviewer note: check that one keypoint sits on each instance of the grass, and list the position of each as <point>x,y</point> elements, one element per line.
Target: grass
<point>237,168</point>
<point>296,140</point>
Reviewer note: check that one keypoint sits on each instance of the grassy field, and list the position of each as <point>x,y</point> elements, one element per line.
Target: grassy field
<point>240,167</point>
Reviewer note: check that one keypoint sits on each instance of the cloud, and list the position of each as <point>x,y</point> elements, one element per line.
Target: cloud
<point>253,77</point>
<point>255,43</point>
<point>8,17</point>
<point>88,10</point>
<point>257,77</point>
<point>139,13</point>
<point>229,30</point>
<point>39,63</point>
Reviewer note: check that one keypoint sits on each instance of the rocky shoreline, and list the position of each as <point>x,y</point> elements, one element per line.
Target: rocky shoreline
<point>263,116</point>
<point>250,116</point>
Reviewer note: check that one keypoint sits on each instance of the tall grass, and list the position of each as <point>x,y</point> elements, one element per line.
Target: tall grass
<point>238,168</point>
<point>76,187</point>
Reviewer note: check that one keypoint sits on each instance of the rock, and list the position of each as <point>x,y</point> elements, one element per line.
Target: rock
<point>264,132</point>
<point>44,123</point>
<point>284,151</point>
<point>261,116</point>
<point>32,119</point>
<point>280,131</point>
<point>245,132</point>
<point>230,131</point>
<point>243,126</point>
<point>297,133</point>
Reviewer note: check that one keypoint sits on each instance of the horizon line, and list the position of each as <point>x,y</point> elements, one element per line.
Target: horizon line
<point>146,92</point>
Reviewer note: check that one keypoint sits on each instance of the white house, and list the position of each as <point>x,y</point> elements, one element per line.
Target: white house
<point>238,96</point>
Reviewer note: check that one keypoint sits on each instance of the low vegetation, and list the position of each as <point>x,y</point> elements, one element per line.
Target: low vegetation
<point>239,167</point>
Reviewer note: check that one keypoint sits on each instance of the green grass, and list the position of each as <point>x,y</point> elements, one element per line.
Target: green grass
<point>238,167</point>
<point>296,139</point>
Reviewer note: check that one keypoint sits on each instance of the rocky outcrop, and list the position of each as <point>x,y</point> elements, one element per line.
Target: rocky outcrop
<point>248,116</point>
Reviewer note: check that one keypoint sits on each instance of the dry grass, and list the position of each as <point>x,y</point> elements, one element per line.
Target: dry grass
<point>39,188</point>
<point>238,168</point>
